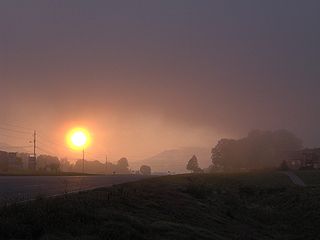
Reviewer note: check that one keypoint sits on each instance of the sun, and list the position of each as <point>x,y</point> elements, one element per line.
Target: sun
<point>78,138</point>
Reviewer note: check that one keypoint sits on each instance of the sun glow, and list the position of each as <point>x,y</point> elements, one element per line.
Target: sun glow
<point>78,138</point>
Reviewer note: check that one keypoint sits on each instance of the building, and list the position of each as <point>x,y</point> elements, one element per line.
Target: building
<point>14,162</point>
<point>304,159</point>
<point>9,161</point>
<point>3,161</point>
<point>32,162</point>
<point>25,159</point>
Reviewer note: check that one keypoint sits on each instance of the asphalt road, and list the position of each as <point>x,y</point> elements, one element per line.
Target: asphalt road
<point>23,188</point>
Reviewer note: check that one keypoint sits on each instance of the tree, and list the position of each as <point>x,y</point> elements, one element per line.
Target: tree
<point>47,162</point>
<point>259,149</point>
<point>54,167</point>
<point>193,165</point>
<point>110,167</point>
<point>284,166</point>
<point>122,166</point>
<point>93,167</point>
<point>145,170</point>
<point>223,153</point>
<point>65,165</point>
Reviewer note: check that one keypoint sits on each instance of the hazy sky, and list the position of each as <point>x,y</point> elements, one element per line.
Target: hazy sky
<point>145,76</point>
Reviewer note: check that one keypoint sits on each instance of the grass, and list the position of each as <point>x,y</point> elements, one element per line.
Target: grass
<point>215,206</point>
<point>310,177</point>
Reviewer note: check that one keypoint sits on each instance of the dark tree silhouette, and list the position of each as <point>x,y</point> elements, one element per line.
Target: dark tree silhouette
<point>284,166</point>
<point>259,149</point>
<point>193,165</point>
<point>122,166</point>
<point>110,168</point>
<point>65,165</point>
<point>145,170</point>
<point>54,167</point>
<point>47,162</point>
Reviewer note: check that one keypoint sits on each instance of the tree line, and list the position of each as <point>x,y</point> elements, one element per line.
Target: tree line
<point>259,149</point>
<point>53,164</point>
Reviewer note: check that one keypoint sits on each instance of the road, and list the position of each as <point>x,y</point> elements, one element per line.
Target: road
<point>22,188</point>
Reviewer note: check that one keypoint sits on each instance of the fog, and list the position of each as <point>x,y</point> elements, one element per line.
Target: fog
<point>144,77</point>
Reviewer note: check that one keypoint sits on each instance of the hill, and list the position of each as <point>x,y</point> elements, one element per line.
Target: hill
<point>175,160</point>
<point>212,206</point>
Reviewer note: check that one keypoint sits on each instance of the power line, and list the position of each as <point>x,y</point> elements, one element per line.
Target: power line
<point>47,145</point>
<point>49,139</point>
<point>34,144</point>
<point>55,146</point>
<point>27,146</point>
<point>16,131</point>
<point>43,145</point>
<point>61,146</point>
<point>11,136</point>
<point>46,151</point>
<point>15,126</point>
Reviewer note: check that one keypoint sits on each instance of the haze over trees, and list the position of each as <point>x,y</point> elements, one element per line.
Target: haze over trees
<point>122,166</point>
<point>260,149</point>
<point>65,165</point>
<point>96,167</point>
<point>48,163</point>
<point>193,165</point>
<point>174,160</point>
<point>145,170</point>
<point>93,167</point>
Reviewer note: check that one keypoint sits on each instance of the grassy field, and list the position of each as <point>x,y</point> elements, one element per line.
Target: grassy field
<point>310,177</point>
<point>262,205</point>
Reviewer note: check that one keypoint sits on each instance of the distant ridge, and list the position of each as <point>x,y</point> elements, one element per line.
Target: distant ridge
<point>175,160</point>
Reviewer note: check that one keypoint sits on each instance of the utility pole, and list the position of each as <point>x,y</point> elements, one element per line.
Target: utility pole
<point>106,164</point>
<point>34,143</point>
<point>33,160</point>
<point>83,160</point>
